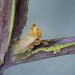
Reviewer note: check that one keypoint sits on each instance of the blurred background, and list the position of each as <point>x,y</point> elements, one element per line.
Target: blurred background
<point>56,19</point>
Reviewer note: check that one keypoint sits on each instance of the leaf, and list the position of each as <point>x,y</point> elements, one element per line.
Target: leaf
<point>7,14</point>
<point>12,22</point>
<point>20,19</point>
<point>29,57</point>
<point>19,23</point>
<point>42,54</point>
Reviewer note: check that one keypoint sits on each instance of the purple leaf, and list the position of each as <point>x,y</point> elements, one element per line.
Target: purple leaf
<point>6,25</point>
<point>66,40</point>
<point>20,18</point>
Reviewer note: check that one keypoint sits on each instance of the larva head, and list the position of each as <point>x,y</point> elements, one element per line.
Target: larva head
<point>36,32</point>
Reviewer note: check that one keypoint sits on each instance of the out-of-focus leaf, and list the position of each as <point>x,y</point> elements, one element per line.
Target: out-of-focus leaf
<point>20,18</point>
<point>7,13</point>
<point>19,23</point>
<point>66,40</point>
<point>10,18</point>
<point>14,16</point>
